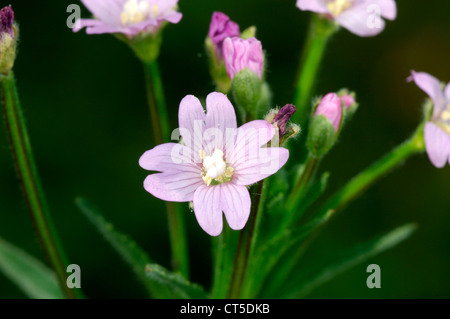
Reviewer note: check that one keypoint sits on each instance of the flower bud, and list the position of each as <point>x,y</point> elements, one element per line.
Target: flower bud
<point>325,125</point>
<point>8,38</point>
<point>282,117</point>
<point>246,88</point>
<point>330,107</point>
<point>349,102</point>
<point>240,54</point>
<point>220,28</point>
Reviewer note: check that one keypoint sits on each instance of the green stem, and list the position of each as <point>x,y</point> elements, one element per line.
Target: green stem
<point>376,171</point>
<point>161,130</point>
<point>31,184</point>
<point>247,289</point>
<point>348,193</point>
<point>224,251</point>
<point>320,30</point>
<point>299,191</point>
<point>246,238</point>
<point>157,103</point>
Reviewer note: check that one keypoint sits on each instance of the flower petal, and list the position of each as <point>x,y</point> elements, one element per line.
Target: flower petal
<point>437,143</point>
<point>174,187</point>
<point>236,203</point>
<point>388,8</point>
<point>318,6</point>
<point>361,21</point>
<point>107,11</point>
<point>447,92</point>
<point>220,122</point>
<point>169,157</point>
<point>191,119</point>
<point>250,137</point>
<point>431,86</point>
<point>259,165</point>
<point>207,209</point>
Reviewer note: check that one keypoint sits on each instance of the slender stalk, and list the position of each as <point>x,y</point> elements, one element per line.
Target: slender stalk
<point>245,243</point>
<point>161,130</point>
<point>349,192</point>
<point>320,30</point>
<point>299,191</point>
<point>31,184</point>
<point>224,250</point>
<point>376,171</point>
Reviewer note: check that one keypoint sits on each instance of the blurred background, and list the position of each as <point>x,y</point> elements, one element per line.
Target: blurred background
<point>84,100</point>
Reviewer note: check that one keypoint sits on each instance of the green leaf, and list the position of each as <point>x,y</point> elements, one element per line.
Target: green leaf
<point>131,253</point>
<point>314,192</point>
<point>349,258</point>
<point>35,279</point>
<point>266,258</point>
<point>177,284</point>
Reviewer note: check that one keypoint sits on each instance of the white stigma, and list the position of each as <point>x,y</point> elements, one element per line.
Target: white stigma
<point>336,7</point>
<point>214,165</point>
<point>135,11</point>
<point>214,168</point>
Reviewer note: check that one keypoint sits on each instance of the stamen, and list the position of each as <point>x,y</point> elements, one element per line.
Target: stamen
<point>215,171</point>
<point>336,7</point>
<point>135,11</point>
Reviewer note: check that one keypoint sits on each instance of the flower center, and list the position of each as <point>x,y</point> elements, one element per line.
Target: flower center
<point>336,7</point>
<point>215,171</point>
<point>444,119</point>
<point>135,11</point>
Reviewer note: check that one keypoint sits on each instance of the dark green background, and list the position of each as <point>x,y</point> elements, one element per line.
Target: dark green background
<point>85,106</point>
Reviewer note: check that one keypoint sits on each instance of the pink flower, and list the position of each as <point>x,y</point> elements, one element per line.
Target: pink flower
<point>347,100</point>
<point>361,17</point>
<point>437,130</point>
<point>129,17</point>
<point>222,27</point>
<point>240,54</point>
<point>214,164</point>
<point>330,106</point>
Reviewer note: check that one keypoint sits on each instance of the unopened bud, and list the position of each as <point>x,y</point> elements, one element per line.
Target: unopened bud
<point>325,125</point>
<point>8,39</point>
<point>240,54</point>
<point>349,103</point>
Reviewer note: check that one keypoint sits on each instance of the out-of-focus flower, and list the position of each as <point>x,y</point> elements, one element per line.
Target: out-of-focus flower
<point>330,106</point>
<point>220,28</point>
<point>129,17</point>
<point>361,17</point>
<point>8,39</point>
<point>214,164</point>
<point>240,54</point>
<point>325,125</point>
<point>437,129</point>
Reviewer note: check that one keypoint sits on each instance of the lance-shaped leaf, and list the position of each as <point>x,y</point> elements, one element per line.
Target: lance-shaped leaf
<point>177,284</point>
<point>349,258</point>
<point>36,280</point>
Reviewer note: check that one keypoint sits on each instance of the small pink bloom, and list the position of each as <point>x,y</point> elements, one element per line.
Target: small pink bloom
<point>129,17</point>
<point>240,54</point>
<point>214,164</point>
<point>361,17</point>
<point>348,100</point>
<point>220,28</point>
<point>330,106</point>
<point>437,130</point>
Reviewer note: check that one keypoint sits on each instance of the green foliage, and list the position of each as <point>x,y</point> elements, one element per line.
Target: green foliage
<point>177,284</point>
<point>315,276</point>
<point>35,279</point>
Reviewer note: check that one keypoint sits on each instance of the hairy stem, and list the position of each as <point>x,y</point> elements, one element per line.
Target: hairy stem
<point>31,184</point>
<point>161,131</point>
